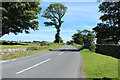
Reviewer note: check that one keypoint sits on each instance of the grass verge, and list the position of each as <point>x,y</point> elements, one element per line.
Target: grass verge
<point>16,46</point>
<point>99,66</point>
<point>79,47</point>
<point>21,54</point>
<point>30,52</point>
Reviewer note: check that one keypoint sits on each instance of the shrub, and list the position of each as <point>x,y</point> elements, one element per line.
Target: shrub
<point>33,48</point>
<point>92,47</point>
<point>43,43</point>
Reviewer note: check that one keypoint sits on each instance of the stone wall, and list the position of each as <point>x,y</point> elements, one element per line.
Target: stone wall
<point>6,51</point>
<point>110,50</point>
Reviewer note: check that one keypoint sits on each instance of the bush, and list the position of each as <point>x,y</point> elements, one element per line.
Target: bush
<point>92,47</point>
<point>33,48</point>
<point>43,43</point>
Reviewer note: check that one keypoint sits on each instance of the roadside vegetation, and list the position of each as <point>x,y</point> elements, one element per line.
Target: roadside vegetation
<point>106,32</point>
<point>31,50</point>
<point>97,65</point>
<point>85,38</point>
<point>17,46</point>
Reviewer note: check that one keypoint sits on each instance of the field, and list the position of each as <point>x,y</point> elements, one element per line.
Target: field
<point>39,49</point>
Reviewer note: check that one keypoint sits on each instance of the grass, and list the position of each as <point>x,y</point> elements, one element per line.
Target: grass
<point>30,52</point>
<point>55,46</point>
<point>21,54</point>
<point>78,46</point>
<point>16,46</point>
<point>99,66</point>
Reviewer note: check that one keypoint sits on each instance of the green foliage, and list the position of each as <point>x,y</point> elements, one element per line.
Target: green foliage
<point>78,37</point>
<point>19,16</point>
<point>36,42</point>
<point>18,46</point>
<point>54,13</point>
<point>33,48</point>
<point>79,47</point>
<point>43,43</point>
<point>69,42</point>
<point>92,47</point>
<point>108,32</point>
<point>99,66</point>
<point>85,38</point>
<point>54,46</point>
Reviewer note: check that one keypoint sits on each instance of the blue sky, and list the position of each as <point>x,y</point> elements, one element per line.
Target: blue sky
<point>80,15</point>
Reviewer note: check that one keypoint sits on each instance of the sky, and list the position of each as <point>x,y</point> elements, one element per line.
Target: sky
<point>79,15</point>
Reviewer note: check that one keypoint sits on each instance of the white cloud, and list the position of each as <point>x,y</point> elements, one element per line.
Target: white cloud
<point>84,26</point>
<point>48,30</point>
<point>25,35</point>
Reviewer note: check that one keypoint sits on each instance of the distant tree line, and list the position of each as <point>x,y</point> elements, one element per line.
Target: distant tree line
<point>7,42</point>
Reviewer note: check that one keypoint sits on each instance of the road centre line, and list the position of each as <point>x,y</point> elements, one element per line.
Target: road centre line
<point>13,59</point>
<point>33,66</point>
<point>61,53</point>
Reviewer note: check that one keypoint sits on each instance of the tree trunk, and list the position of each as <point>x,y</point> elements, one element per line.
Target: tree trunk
<point>4,30</point>
<point>58,39</point>
<point>57,36</point>
<point>2,33</point>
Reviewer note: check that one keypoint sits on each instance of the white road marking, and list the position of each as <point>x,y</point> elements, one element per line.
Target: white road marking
<point>5,61</point>
<point>8,60</point>
<point>33,66</point>
<point>13,59</point>
<point>61,53</point>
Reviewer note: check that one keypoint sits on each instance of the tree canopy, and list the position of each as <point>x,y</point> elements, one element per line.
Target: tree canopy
<point>85,38</point>
<point>18,17</point>
<point>55,13</point>
<point>109,30</point>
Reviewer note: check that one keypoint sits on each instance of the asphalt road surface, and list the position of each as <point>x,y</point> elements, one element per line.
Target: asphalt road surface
<point>61,63</point>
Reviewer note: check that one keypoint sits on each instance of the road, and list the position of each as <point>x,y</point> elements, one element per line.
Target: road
<point>61,63</point>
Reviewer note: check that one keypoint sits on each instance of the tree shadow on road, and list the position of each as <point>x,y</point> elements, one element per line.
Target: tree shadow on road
<point>67,50</point>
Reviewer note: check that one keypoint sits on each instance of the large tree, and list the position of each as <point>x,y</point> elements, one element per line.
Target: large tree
<point>18,17</point>
<point>78,38</point>
<point>85,38</point>
<point>109,30</point>
<point>55,13</point>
